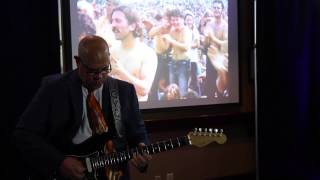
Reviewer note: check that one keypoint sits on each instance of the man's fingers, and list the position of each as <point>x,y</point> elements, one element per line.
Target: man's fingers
<point>148,156</point>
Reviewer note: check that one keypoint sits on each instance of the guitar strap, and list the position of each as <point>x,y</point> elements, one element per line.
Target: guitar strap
<point>114,173</point>
<point>115,105</point>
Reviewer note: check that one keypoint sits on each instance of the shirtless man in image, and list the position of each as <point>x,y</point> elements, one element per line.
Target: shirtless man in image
<point>132,60</point>
<point>216,33</point>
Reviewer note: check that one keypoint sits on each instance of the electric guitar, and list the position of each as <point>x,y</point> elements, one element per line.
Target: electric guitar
<point>95,162</point>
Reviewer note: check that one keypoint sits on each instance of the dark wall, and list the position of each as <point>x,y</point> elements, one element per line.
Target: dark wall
<point>288,89</point>
<point>31,50</point>
<point>30,42</point>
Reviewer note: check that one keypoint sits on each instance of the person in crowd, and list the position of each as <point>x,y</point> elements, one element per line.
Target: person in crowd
<point>171,93</point>
<point>103,24</point>
<point>217,39</point>
<point>86,26</point>
<point>132,60</point>
<point>194,53</point>
<point>180,39</point>
<point>163,50</point>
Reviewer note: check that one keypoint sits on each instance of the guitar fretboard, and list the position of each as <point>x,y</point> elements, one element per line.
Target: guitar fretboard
<point>119,157</point>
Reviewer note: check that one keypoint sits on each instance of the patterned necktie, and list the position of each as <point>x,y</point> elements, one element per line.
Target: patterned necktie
<point>95,115</point>
<point>99,126</point>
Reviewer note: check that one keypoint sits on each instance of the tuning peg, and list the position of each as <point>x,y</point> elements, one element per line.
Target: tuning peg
<point>215,130</point>
<point>195,131</point>
<point>221,132</point>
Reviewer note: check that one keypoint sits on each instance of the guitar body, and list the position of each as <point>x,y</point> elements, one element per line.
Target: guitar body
<point>90,146</point>
<point>113,172</point>
<point>93,148</point>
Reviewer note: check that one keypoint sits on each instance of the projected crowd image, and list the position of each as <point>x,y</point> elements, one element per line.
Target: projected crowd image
<point>171,51</point>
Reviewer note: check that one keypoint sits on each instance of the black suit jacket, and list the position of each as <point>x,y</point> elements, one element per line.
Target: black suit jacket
<point>53,117</point>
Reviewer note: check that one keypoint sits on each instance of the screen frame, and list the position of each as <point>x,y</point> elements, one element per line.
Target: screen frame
<point>183,112</point>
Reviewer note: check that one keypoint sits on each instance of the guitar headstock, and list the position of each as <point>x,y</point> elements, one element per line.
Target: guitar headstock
<point>201,137</point>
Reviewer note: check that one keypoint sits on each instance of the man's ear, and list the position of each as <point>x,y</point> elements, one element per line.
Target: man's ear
<point>77,58</point>
<point>132,27</point>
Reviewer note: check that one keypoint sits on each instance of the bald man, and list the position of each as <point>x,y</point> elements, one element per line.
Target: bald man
<point>56,123</point>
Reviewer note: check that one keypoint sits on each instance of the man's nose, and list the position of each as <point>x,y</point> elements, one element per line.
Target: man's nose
<point>98,75</point>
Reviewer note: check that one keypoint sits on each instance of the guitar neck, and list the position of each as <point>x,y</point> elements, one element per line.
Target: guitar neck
<point>119,157</point>
<point>163,146</point>
<point>198,138</point>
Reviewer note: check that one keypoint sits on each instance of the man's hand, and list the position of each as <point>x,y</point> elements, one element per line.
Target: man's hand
<point>168,38</point>
<point>141,161</point>
<point>72,168</point>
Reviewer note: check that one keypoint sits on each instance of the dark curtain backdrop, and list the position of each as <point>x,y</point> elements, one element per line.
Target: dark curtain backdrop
<point>288,71</point>
<point>30,50</point>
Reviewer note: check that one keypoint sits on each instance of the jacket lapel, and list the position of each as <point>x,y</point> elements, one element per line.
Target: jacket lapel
<point>105,99</point>
<point>76,100</point>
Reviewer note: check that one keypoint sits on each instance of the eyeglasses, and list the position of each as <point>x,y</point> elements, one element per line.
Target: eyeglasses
<point>95,72</point>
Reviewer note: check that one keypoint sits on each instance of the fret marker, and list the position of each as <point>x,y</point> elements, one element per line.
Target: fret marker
<point>152,148</point>
<point>165,147</point>
<point>171,143</point>
<point>158,147</point>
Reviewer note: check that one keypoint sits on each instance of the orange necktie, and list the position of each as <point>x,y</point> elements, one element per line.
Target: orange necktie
<point>95,115</point>
<point>99,126</point>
